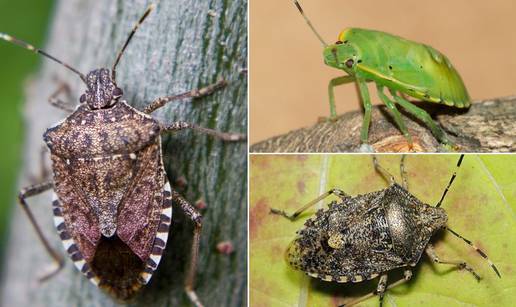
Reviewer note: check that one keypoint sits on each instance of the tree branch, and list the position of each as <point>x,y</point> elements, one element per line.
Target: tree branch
<point>488,126</point>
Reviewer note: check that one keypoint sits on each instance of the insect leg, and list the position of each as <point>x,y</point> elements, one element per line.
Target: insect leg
<point>403,173</point>
<point>196,93</point>
<point>366,101</point>
<point>333,83</point>
<point>58,103</point>
<point>294,215</point>
<point>394,112</point>
<point>461,265</point>
<point>32,191</point>
<point>383,171</point>
<point>196,218</point>
<point>225,136</point>
<point>380,289</point>
<point>407,276</point>
<point>44,172</point>
<point>422,115</point>
<point>479,251</point>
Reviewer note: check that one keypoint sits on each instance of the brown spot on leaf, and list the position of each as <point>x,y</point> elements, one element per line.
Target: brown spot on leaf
<point>260,162</point>
<point>257,214</point>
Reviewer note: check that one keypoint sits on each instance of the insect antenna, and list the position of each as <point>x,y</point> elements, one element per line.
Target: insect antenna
<point>451,180</point>
<point>136,26</point>
<point>300,9</point>
<point>479,251</point>
<point>28,46</point>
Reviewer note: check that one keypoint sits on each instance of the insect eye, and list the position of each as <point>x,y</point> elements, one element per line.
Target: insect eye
<point>338,43</point>
<point>117,92</point>
<point>349,63</point>
<point>82,98</point>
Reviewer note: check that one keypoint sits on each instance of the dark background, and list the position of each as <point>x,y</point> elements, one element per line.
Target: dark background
<point>27,20</point>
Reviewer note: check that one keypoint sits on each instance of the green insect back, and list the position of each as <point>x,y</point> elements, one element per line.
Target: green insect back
<point>414,69</point>
<point>404,67</point>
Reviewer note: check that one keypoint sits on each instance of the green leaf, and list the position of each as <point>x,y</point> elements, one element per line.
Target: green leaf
<point>480,205</point>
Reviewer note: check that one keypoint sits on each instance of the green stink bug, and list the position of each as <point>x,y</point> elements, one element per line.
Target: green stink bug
<point>404,67</point>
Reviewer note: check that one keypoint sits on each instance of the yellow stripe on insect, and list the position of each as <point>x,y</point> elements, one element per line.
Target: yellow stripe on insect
<point>343,35</point>
<point>417,90</point>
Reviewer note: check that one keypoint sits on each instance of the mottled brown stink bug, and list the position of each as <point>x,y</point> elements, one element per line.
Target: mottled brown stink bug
<point>112,200</point>
<point>362,237</point>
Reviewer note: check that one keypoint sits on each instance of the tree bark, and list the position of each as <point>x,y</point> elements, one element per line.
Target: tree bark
<point>181,46</point>
<point>488,126</point>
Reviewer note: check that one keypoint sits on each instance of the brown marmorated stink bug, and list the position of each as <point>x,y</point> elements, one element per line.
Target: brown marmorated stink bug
<point>362,237</point>
<point>112,200</point>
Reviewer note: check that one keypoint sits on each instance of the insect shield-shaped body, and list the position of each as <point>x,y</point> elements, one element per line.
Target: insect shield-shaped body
<point>362,237</point>
<point>113,206</point>
<point>404,67</point>
<point>113,203</point>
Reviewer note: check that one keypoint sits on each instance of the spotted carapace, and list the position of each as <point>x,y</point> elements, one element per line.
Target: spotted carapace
<point>359,238</point>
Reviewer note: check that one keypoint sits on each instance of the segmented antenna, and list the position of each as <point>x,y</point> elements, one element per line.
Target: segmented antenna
<point>479,251</point>
<point>300,9</point>
<point>28,46</point>
<point>136,26</point>
<point>451,180</point>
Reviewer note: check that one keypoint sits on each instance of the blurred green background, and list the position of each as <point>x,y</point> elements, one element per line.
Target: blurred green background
<point>27,20</point>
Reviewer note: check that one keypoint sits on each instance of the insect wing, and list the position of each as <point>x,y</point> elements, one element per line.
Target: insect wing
<point>350,241</point>
<point>413,68</point>
<point>139,212</point>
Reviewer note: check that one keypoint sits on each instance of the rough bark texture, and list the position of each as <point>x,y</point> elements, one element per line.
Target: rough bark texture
<point>488,126</point>
<point>183,45</point>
